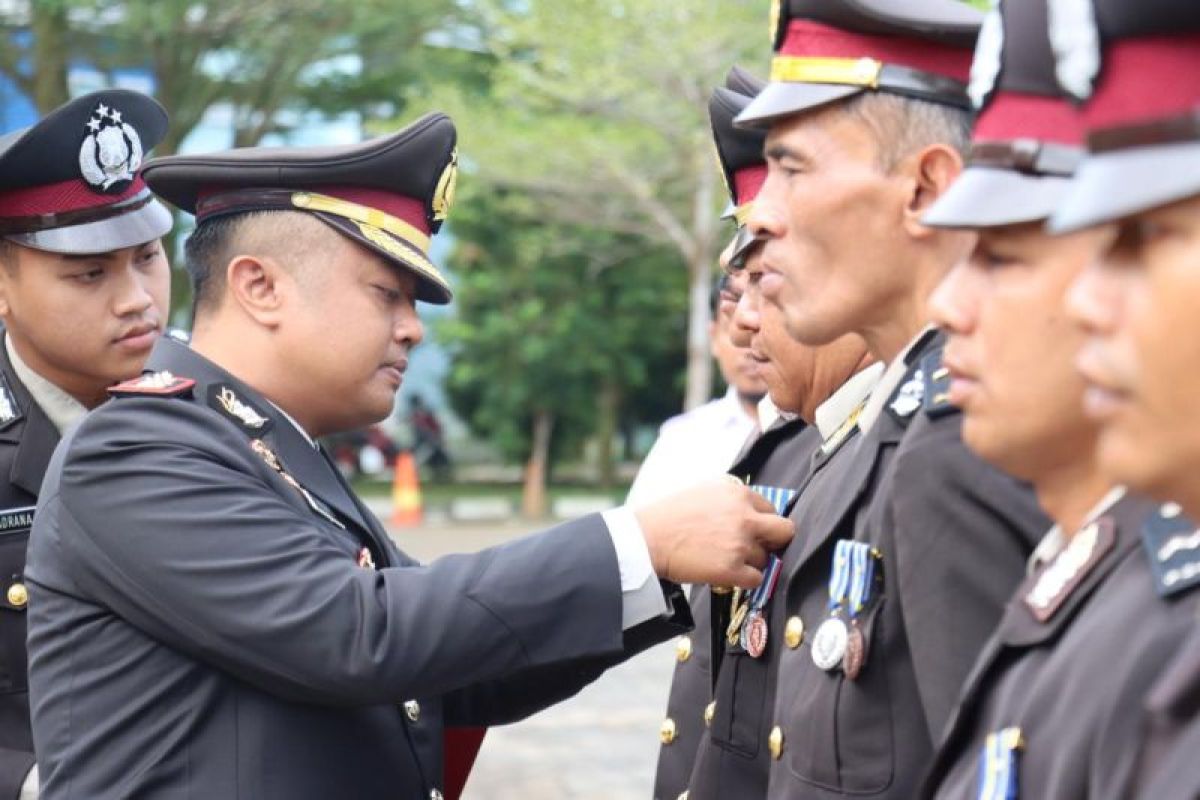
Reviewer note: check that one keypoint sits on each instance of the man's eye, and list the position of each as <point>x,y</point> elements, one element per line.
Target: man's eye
<point>389,294</point>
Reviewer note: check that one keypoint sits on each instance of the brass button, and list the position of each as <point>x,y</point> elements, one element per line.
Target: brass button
<point>793,632</point>
<point>667,732</point>
<point>775,742</point>
<point>412,709</point>
<point>683,648</point>
<point>710,711</point>
<point>17,595</point>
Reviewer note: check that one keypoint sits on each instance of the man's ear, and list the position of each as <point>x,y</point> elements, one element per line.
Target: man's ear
<point>258,285</point>
<point>8,274</point>
<point>933,169</point>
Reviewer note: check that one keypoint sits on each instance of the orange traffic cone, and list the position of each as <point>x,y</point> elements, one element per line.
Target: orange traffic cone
<point>406,492</point>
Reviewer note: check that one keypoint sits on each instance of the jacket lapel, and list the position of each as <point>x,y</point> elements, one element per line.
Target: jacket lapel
<point>31,433</point>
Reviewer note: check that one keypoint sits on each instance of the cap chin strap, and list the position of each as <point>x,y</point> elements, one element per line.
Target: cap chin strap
<point>870,73</point>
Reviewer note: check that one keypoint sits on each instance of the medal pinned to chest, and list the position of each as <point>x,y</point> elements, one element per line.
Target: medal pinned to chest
<point>839,641</point>
<point>268,456</point>
<point>748,620</point>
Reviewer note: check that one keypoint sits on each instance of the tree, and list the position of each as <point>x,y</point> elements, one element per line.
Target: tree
<point>597,113</point>
<point>556,325</point>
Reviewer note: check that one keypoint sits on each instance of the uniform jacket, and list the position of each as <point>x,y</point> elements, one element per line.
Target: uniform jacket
<point>733,760</point>
<point>780,458</point>
<point>952,535</point>
<point>1169,766</point>
<point>27,439</point>
<point>1071,682</point>
<point>207,620</point>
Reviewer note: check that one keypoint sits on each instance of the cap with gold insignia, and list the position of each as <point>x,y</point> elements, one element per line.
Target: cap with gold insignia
<point>828,50</point>
<point>71,182</point>
<point>740,154</point>
<point>389,194</point>
<point>1028,136</point>
<point>1136,65</point>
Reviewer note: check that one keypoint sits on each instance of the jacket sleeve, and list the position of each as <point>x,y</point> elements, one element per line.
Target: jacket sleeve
<point>963,531</point>
<point>183,534</point>
<point>14,767</point>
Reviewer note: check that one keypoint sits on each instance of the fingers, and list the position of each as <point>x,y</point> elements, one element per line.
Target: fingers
<point>747,577</point>
<point>772,531</point>
<point>761,503</point>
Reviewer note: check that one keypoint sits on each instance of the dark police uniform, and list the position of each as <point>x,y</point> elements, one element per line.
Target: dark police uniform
<point>778,458</point>
<point>214,614</point>
<point>1051,709</point>
<point>1143,146</point>
<point>54,196</point>
<point>923,511</point>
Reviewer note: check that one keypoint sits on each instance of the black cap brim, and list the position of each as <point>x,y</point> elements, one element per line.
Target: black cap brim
<point>432,286</point>
<point>987,197</point>
<point>130,229</point>
<point>1112,185</point>
<point>743,244</point>
<point>781,99</point>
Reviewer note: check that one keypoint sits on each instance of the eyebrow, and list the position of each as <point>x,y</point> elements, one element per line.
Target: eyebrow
<point>72,257</point>
<point>780,151</point>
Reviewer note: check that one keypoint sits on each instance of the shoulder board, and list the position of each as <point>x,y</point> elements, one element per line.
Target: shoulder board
<point>1172,544</point>
<point>937,386</point>
<point>154,384</point>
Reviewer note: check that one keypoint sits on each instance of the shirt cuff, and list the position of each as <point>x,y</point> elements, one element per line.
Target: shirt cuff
<point>642,598</point>
<point>29,789</point>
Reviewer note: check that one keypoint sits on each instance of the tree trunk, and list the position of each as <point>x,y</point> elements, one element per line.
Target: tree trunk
<point>700,276</point>
<point>608,403</point>
<point>533,494</point>
<point>49,24</point>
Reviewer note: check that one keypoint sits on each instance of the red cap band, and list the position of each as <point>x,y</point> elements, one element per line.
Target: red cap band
<point>748,182</point>
<point>60,198</point>
<point>808,38</point>
<point>1015,115</point>
<point>1146,79</point>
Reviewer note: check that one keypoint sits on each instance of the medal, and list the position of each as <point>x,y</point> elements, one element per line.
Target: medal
<point>998,765</point>
<point>754,634</point>
<point>862,579</point>
<point>829,643</point>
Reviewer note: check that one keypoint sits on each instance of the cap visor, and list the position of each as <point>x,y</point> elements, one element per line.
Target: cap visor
<point>986,197</point>
<point>784,99</point>
<point>729,212</point>
<point>1109,186</point>
<point>432,286</point>
<point>744,242</point>
<point>144,224</point>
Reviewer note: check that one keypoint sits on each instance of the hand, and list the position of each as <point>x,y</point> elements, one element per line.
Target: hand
<point>719,532</point>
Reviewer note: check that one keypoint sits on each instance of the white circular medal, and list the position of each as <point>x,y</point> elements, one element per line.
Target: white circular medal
<point>829,644</point>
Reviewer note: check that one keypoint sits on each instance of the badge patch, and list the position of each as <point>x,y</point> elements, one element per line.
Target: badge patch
<point>1060,577</point>
<point>111,152</point>
<point>1172,544</point>
<point>225,399</point>
<point>937,386</point>
<point>10,412</point>
<point>16,520</point>
<point>160,384</point>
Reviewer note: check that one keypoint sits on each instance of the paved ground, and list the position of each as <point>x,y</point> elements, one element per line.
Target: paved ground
<point>600,745</point>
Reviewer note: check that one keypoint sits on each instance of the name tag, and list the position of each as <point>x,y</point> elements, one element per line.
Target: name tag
<point>16,520</point>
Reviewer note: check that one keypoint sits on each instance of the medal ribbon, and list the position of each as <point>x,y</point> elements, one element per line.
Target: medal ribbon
<point>776,496</point>
<point>839,577</point>
<point>862,576</point>
<point>998,767</point>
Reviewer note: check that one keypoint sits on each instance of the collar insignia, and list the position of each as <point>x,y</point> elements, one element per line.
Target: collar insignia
<point>159,384</point>
<point>1060,577</point>
<point>264,451</point>
<point>937,386</point>
<point>111,152</point>
<point>224,399</point>
<point>1172,544</point>
<point>10,412</point>
<point>908,398</point>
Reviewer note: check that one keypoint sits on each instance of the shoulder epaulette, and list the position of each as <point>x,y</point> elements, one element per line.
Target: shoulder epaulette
<point>1172,544</point>
<point>937,386</point>
<point>154,384</point>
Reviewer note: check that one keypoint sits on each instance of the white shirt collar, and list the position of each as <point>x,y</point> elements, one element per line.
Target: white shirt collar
<point>60,408</point>
<point>838,407</point>
<point>888,383</point>
<point>1054,541</point>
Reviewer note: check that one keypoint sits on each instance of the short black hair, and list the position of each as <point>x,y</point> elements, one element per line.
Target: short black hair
<point>720,285</point>
<point>206,253</point>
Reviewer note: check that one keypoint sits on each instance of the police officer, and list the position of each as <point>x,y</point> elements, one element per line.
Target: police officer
<point>214,613</point>
<point>1135,66</point>
<point>1050,709</point>
<point>84,290</point>
<point>883,593</point>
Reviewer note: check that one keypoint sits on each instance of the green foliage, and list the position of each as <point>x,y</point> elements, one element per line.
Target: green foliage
<point>546,313</point>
